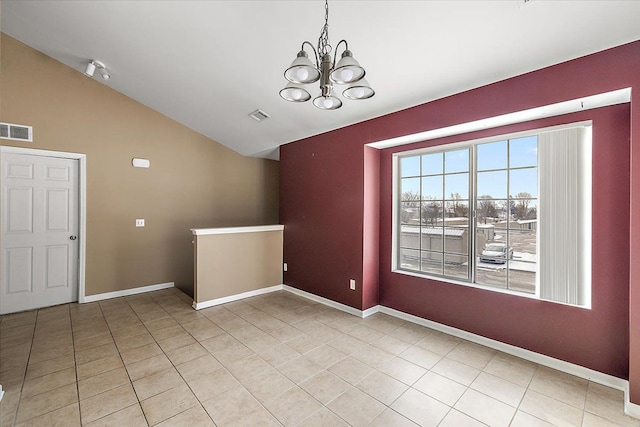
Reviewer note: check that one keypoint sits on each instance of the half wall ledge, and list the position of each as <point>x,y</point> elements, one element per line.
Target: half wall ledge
<point>231,263</point>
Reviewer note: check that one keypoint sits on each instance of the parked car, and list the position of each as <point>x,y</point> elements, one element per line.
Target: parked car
<point>497,253</point>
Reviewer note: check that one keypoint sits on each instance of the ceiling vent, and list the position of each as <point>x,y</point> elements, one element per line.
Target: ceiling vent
<point>17,132</point>
<point>259,115</point>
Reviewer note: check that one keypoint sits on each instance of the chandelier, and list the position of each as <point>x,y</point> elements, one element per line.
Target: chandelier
<point>346,72</point>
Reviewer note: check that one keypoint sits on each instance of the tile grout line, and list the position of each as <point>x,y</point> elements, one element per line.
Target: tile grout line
<point>170,308</point>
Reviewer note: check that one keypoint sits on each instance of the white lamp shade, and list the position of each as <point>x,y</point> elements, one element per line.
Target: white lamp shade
<point>295,93</point>
<point>347,70</point>
<point>302,70</point>
<point>359,90</point>
<point>329,102</point>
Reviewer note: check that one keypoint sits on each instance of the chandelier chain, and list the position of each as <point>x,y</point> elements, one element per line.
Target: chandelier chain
<point>323,42</point>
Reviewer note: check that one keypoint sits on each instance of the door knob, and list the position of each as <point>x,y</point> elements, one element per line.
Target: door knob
<point>73,237</point>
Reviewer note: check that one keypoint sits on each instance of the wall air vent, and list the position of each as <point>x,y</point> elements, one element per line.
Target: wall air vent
<point>259,115</point>
<point>17,132</point>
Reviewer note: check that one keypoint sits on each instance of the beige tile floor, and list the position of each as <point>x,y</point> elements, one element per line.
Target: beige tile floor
<point>276,359</point>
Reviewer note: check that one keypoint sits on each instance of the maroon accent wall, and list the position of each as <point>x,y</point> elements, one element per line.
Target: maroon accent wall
<point>595,338</point>
<point>324,206</point>
<point>323,215</point>
<point>371,217</point>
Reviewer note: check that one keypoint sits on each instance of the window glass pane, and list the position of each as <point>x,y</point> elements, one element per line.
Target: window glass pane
<point>432,164</point>
<point>522,266</point>
<point>456,186</point>
<point>523,182</point>
<point>522,280</point>
<point>484,234</point>
<point>410,166</point>
<point>456,266</point>
<point>410,213</point>
<point>432,187</point>
<point>491,275</point>
<point>410,236</point>
<point>409,259</point>
<point>432,238</point>
<point>523,152</point>
<point>410,189</point>
<point>455,240</point>
<point>456,232</point>
<point>456,161</point>
<point>458,213</point>
<point>493,184</point>
<point>432,213</point>
<point>432,262</point>
<point>505,212</point>
<point>487,210</point>
<point>492,156</point>
<point>491,265</point>
<point>525,209</point>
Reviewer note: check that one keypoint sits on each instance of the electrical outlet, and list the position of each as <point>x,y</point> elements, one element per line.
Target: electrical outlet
<point>284,267</point>
<point>352,284</point>
<point>140,222</point>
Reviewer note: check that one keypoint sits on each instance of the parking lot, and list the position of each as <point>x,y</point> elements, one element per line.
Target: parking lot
<point>522,268</point>
<point>518,274</point>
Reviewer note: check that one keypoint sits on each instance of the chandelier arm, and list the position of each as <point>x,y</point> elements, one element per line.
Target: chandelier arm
<point>335,57</point>
<point>315,53</point>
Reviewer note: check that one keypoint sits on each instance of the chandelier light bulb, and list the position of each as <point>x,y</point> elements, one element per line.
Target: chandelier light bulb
<point>296,94</point>
<point>346,75</point>
<point>302,74</point>
<point>327,102</point>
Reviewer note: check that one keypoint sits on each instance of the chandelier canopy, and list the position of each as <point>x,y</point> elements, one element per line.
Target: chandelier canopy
<point>346,72</point>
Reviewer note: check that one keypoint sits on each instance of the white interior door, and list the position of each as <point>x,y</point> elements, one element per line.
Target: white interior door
<point>39,231</point>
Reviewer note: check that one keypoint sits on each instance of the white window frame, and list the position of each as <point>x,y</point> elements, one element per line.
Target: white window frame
<point>395,268</point>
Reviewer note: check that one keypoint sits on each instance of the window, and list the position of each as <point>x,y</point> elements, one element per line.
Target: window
<point>511,213</point>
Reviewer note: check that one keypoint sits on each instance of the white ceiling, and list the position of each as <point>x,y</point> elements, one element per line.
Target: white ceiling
<point>208,64</point>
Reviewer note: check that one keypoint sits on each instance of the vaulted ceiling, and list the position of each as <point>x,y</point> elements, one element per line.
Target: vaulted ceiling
<point>208,64</point>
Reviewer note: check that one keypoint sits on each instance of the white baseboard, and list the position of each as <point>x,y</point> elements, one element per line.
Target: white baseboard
<point>541,359</point>
<point>373,310</point>
<point>325,301</point>
<point>630,409</point>
<point>236,297</point>
<point>127,292</point>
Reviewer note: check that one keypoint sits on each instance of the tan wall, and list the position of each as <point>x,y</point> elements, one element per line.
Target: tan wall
<point>193,181</point>
<point>231,264</point>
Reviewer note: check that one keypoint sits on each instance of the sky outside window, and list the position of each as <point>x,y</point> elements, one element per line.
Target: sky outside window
<point>492,173</point>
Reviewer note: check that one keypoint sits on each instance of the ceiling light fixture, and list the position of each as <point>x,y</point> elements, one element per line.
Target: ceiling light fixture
<point>91,69</point>
<point>346,72</point>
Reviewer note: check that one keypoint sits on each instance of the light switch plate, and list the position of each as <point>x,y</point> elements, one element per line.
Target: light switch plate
<point>140,222</point>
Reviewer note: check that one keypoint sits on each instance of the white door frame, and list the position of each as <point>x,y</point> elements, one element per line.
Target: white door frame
<point>82,203</point>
